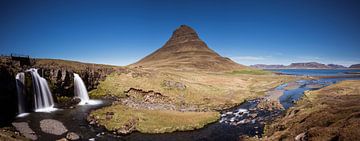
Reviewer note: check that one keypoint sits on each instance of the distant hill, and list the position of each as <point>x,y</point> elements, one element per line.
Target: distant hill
<point>305,65</point>
<point>263,66</point>
<point>308,65</point>
<point>336,66</point>
<point>186,51</point>
<point>355,66</point>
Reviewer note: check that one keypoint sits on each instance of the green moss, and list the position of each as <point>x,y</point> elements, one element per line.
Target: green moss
<point>64,99</point>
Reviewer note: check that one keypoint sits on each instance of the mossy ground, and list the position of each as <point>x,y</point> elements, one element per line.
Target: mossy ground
<point>154,121</point>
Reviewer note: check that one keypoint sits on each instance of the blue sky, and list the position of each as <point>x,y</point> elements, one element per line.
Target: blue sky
<point>121,32</point>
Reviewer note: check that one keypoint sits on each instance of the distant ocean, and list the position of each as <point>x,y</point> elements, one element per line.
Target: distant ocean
<point>316,72</point>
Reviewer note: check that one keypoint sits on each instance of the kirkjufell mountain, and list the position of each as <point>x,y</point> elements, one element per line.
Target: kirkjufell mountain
<point>185,50</point>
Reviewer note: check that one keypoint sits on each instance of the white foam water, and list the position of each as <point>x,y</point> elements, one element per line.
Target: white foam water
<point>42,96</point>
<point>81,92</point>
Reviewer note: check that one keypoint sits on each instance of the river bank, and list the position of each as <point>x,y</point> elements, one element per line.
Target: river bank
<point>330,113</point>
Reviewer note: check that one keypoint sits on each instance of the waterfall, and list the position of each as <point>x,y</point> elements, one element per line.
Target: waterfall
<point>80,90</point>
<point>20,82</point>
<point>42,96</point>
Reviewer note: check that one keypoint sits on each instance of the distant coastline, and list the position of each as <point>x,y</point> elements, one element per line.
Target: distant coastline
<point>306,65</point>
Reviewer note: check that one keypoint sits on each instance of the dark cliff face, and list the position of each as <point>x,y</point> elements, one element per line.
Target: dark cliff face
<point>58,73</point>
<point>8,98</point>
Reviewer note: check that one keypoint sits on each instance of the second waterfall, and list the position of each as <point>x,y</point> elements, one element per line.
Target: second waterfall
<point>80,90</point>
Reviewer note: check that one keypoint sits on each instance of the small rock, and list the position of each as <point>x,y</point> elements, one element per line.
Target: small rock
<point>72,136</point>
<point>232,119</point>
<point>252,109</point>
<point>92,122</point>
<point>301,137</point>
<point>247,120</point>
<point>253,115</point>
<point>253,121</point>
<point>92,139</point>
<point>62,139</point>
<point>109,115</point>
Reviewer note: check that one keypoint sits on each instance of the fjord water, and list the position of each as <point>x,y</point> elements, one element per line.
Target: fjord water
<point>42,96</point>
<point>316,72</point>
<point>20,81</point>
<point>80,90</point>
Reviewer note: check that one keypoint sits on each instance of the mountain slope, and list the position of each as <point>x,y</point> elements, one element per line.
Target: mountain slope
<point>355,66</point>
<point>186,51</point>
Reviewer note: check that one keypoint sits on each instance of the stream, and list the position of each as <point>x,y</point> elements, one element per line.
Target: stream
<point>245,119</point>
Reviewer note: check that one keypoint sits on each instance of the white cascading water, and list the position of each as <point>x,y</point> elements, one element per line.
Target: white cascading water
<point>80,90</point>
<point>43,98</point>
<point>20,82</point>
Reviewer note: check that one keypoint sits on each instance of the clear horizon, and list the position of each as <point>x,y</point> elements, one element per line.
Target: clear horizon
<point>123,32</point>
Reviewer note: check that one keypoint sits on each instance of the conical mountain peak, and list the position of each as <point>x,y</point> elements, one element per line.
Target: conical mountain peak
<point>186,51</point>
<point>183,34</point>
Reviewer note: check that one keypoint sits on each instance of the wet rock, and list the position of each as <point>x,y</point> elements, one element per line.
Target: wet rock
<point>62,139</point>
<point>92,139</point>
<point>72,136</point>
<point>253,115</point>
<point>24,128</point>
<point>253,121</point>
<point>52,126</point>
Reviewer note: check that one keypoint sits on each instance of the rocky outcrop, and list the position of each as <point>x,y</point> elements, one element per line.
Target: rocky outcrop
<point>147,96</point>
<point>60,74</point>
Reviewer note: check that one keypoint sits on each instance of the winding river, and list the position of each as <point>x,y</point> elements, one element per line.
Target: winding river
<point>245,119</point>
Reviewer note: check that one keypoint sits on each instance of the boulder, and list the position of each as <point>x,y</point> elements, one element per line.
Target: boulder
<point>52,126</point>
<point>72,136</point>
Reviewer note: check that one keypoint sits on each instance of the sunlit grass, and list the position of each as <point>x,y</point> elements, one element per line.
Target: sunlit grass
<point>154,121</point>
